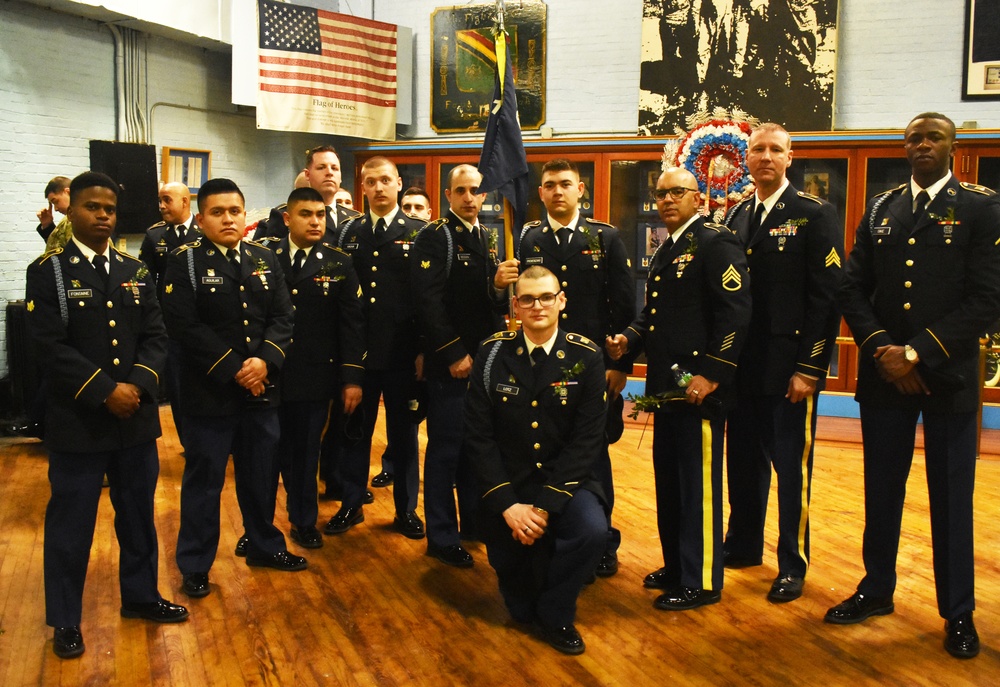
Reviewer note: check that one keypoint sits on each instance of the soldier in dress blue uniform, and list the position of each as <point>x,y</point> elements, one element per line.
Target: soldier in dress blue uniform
<point>177,228</point>
<point>226,303</point>
<point>594,270</point>
<point>696,316</point>
<point>323,173</point>
<point>793,246</point>
<point>453,265</point>
<point>922,283</point>
<point>534,425</point>
<point>380,243</point>
<point>326,358</point>
<point>92,310</point>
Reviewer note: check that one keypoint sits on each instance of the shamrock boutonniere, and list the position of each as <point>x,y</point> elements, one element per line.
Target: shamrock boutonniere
<point>134,283</point>
<point>492,241</point>
<point>325,276</point>
<point>948,219</point>
<point>593,242</point>
<point>568,379</point>
<point>409,238</point>
<point>261,270</point>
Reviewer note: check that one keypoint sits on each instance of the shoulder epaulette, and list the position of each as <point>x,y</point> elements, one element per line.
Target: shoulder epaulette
<point>591,220</point>
<point>715,227</point>
<point>126,254</point>
<point>529,225</point>
<point>281,208</point>
<point>581,340</point>
<point>338,250</point>
<point>193,244</point>
<point>350,212</point>
<point>158,224</point>
<point>809,196</point>
<point>891,190</point>
<point>255,243</point>
<point>976,188</point>
<point>267,240</point>
<point>436,224</point>
<point>48,254</point>
<point>736,208</point>
<point>500,336</point>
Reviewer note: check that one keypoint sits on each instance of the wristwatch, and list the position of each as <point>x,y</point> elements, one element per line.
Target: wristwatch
<point>911,354</point>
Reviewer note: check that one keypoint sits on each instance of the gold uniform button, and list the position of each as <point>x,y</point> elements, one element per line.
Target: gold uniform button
<point>373,299</point>
<point>295,292</point>
<point>114,342</point>
<point>243,288</point>
<point>374,268</point>
<point>595,265</point>
<point>652,311</point>
<point>504,399</point>
<point>245,306</point>
<point>657,278</point>
<point>246,323</point>
<point>749,251</point>
<point>564,316</point>
<point>111,324</point>
<point>116,361</point>
<point>563,268</point>
<point>652,327</point>
<point>534,425</point>
<point>655,294</point>
<point>248,339</point>
<point>907,284</point>
<point>909,263</point>
<point>375,254</point>
<point>538,465</point>
<point>694,352</point>
<point>912,241</point>
<point>81,303</point>
<point>534,404</point>
<point>373,285</point>
<point>110,304</point>
<point>537,446</point>
<point>564,285</point>
<point>906,306</point>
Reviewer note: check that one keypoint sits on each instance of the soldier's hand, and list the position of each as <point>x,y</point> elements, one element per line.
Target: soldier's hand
<point>527,524</point>
<point>460,369</point>
<point>615,380</point>
<point>45,215</point>
<point>616,346</point>
<point>123,401</point>
<point>800,387</point>
<point>418,365</point>
<point>912,384</point>
<point>699,388</point>
<point>257,389</point>
<point>891,362</point>
<point>253,372</point>
<point>351,397</point>
<point>506,274</point>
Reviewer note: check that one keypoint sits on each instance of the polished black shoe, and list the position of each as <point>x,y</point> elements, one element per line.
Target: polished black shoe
<point>345,519</point>
<point>859,607</point>
<point>161,611</point>
<point>453,555</point>
<point>608,565</point>
<point>195,585</point>
<point>659,579</point>
<point>307,537</point>
<point>67,642</point>
<point>961,639</point>
<point>565,639</point>
<point>369,497</point>
<point>409,525</point>
<point>241,546</point>
<point>733,561</point>
<point>785,588</point>
<point>382,479</point>
<point>280,561</point>
<point>686,598</point>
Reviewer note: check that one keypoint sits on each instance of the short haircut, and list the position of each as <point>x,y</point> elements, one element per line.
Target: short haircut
<point>305,193</point>
<point>215,187</point>
<point>536,272</point>
<point>319,149</point>
<point>378,161</point>
<point>771,127</point>
<point>417,191</point>
<point>561,164</point>
<point>56,185</point>
<point>939,117</point>
<point>458,169</point>
<point>89,180</point>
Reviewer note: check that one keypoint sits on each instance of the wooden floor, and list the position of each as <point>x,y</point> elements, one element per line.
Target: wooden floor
<point>372,609</point>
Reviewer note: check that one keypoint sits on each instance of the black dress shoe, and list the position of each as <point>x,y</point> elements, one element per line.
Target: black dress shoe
<point>307,537</point>
<point>686,598</point>
<point>859,607</point>
<point>785,588</point>
<point>196,585</point>
<point>369,497</point>
<point>565,639</point>
<point>961,639</point>
<point>279,561</point>
<point>733,561</point>
<point>241,546</point>
<point>161,611</point>
<point>345,519</point>
<point>608,565</point>
<point>409,525</point>
<point>660,579</point>
<point>382,479</point>
<point>67,642</point>
<point>453,555</point>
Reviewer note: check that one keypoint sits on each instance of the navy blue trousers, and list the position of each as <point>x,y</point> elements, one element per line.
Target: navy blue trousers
<point>298,457</point>
<point>76,480</point>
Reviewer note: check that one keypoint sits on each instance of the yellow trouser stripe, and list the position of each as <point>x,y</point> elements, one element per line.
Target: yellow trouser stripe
<point>707,507</point>
<point>804,506</point>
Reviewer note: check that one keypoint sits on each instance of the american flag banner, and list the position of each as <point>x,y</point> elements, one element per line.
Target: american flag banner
<point>323,72</point>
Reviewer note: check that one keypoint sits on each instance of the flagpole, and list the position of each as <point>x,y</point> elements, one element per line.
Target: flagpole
<point>508,244</point>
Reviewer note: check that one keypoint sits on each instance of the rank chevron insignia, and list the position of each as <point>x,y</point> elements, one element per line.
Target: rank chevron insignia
<point>818,348</point>
<point>728,341</point>
<point>832,258</point>
<point>731,279</point>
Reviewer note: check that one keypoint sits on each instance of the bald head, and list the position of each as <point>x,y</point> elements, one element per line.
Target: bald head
<point>680,197</point>
<point>174,202</point>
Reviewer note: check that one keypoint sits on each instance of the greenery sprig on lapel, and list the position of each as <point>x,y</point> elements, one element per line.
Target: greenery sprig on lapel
<point>568,378</point>
<point>593,241</point>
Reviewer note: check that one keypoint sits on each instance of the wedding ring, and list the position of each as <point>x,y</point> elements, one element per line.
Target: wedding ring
<point>695,392</point>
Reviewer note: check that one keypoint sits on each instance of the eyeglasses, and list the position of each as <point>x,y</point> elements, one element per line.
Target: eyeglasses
<point>546,300</point>
<point>677,192</point>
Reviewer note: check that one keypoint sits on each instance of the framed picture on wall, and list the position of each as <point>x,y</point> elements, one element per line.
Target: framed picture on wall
<point>190,167</point>
<point>981,65</point>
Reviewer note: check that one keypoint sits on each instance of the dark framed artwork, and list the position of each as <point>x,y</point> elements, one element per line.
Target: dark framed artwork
<point>463,64</point>
<point>188,166</point>
<point>981,64</point>
<point>772,59</point>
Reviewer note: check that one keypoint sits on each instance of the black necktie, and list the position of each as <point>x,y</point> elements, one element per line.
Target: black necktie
<point>101,265</point>
<point>668,243</point>
<point>537,356</point>
<point>234,259</point>
<point>923,198</point>
<point>561,235</point>
<point>758,216</point>
<point>180,232</point>
<point>300,259</point>
<point>380,226</point>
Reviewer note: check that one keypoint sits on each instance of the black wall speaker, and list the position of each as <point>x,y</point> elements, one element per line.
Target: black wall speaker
<point>133,166</point>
